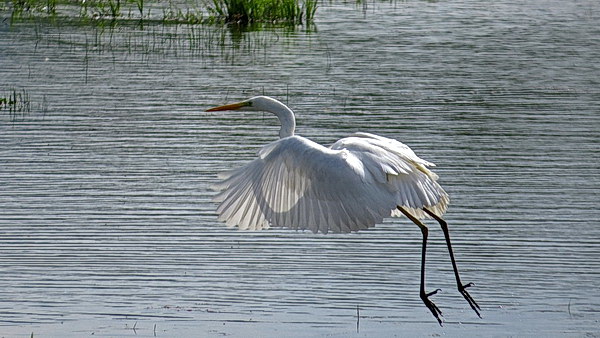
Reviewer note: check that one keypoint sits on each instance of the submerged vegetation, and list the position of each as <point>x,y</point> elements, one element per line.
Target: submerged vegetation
<point>242,12</point>
<point>15,101</point>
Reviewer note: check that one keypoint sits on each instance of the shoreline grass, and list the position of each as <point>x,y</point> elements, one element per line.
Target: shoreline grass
<point>250,11</point>
<point>240,12</point>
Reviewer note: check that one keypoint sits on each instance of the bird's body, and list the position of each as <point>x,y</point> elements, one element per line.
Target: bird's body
<point>352,185</point>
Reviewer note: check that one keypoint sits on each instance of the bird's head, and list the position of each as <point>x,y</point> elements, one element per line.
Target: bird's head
<point>257,103</point>
<point>268,104</point>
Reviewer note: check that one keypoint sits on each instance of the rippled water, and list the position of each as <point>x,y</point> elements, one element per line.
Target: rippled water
<point>106,223</point>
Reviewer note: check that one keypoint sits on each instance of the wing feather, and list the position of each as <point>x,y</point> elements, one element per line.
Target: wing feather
<point>296,183</point>
<point>407,175</point>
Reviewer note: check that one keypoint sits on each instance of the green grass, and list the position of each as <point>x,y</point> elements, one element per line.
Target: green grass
<point>251,11</point>
<point>242,12</point>
<point>33,6</point>
<point>16,102</point>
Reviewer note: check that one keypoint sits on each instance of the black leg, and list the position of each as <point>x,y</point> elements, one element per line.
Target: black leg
<point>424,295</point>
<point>461,287</point>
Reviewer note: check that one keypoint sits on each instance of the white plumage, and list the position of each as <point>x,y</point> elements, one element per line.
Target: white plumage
<point>352,185</point>
<point>299,184</point>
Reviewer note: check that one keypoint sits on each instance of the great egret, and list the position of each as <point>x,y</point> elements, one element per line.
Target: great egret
<point>352,185</point>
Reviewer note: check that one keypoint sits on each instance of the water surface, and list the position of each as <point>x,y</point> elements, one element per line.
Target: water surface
<point>106,220</point>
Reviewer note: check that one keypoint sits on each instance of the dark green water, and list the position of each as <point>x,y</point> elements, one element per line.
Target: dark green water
<point>106,224</point>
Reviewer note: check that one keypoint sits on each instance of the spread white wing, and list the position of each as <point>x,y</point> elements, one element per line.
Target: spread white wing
<point>299,184</point>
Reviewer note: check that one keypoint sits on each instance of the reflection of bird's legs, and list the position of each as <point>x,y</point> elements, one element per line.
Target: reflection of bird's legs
<point>424,296</point>
<point>461,287</point>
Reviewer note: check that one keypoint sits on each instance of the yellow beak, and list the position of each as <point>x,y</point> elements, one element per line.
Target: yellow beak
<point>232,106</point>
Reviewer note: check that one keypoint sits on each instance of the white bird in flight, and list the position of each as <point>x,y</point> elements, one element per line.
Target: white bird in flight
<point>354,184</point>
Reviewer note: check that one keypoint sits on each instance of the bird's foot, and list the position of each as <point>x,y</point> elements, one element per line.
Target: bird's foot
<point>470,300</point>
<point>437,313</point>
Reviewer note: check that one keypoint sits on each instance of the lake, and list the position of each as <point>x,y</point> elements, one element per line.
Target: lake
<point>107,227</point>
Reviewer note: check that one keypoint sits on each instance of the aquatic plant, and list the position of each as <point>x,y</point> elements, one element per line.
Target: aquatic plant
<point>15,101</point>
<point>140,7</point>
<point>175,15</point>
<point>249,11</point>
<point>241,12</point>
<point>98,9</point>
<point>33,6</point>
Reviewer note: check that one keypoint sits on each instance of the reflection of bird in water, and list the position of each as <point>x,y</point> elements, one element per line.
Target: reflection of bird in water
<point>352,185</point>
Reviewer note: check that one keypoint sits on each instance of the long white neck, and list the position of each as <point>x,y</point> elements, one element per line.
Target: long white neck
<point>288,121</point>
<point>283,113</point>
